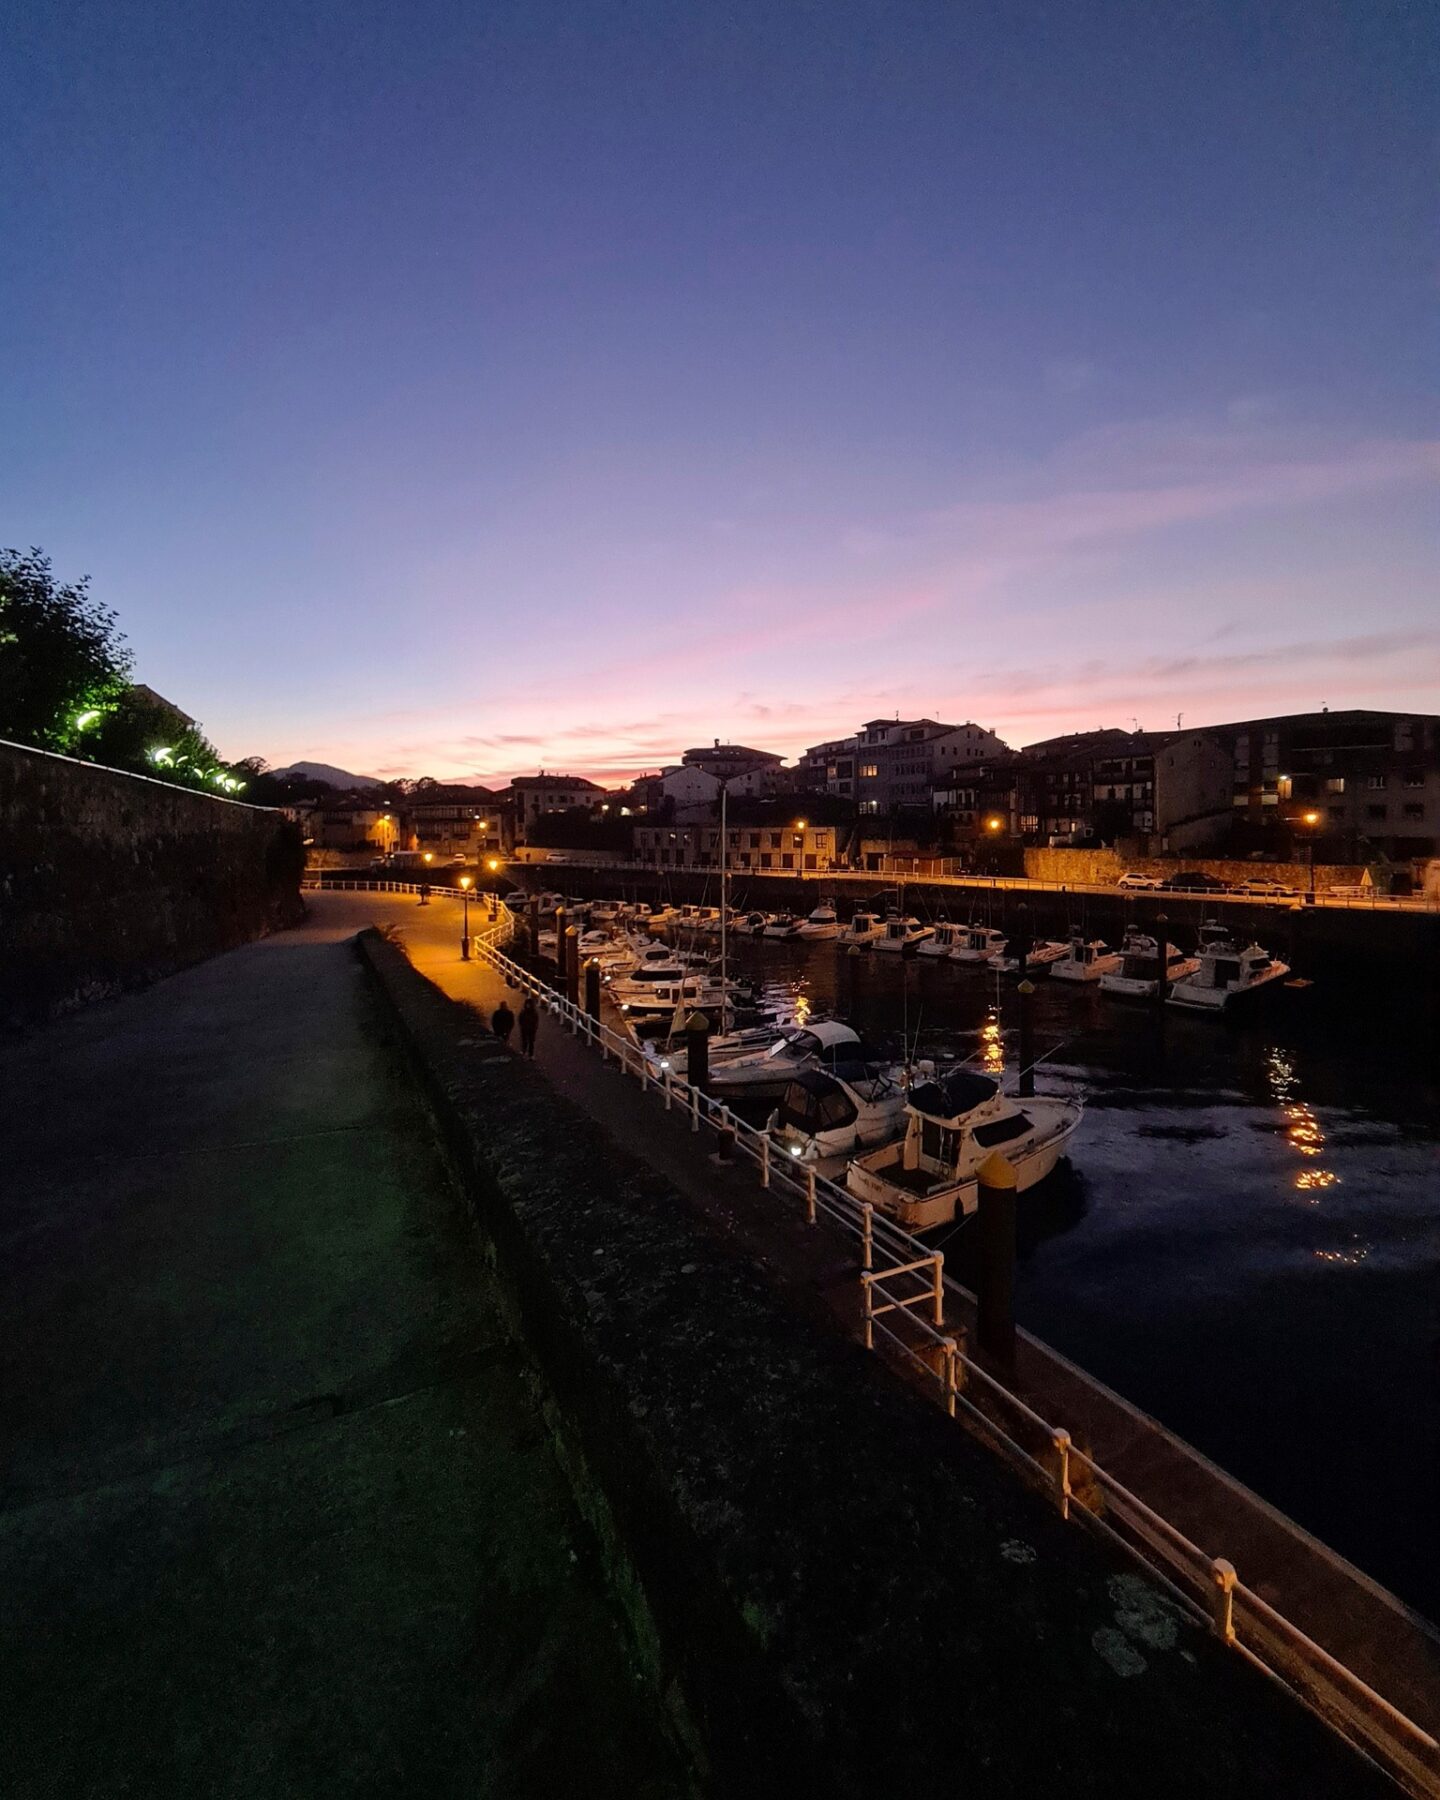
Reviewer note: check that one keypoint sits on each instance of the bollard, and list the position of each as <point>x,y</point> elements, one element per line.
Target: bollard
<point>697,1051</point>
<point>1027,1041</point>
<point>995,1289</point>
<point>725,1138</point>
<point>592,989</point>
<point>571,965</point>
<point>557,918</point>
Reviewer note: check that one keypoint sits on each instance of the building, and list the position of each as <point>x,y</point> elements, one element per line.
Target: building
<point>531,796</point>
<point>1373,778</point>
<point>354,825</point>
<point>726,762</point>
<point>891,765</point>
<point>456,820</point>
<point>694,793</point>
<point>787,849</point>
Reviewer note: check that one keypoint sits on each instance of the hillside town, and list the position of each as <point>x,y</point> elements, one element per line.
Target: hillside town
<point>1344,787</point>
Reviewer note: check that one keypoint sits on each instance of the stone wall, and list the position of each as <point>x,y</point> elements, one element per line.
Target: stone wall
<point>110,880</point>
<point>1105,867</point>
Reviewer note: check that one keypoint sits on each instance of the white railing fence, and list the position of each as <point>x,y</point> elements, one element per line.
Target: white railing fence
<point>903,1293</point>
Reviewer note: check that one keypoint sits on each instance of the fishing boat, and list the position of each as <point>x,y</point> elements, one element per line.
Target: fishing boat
<point>862,930</point>
<point>826,1116</point>
<point>821,924</point>
<point>901,937</point>
<point>1085,959</point>
<point>953,1123</point>
<point>1139,971</point>
<point>1226,974</point>
<point>1042,954</point>
<point>978,943</point>
<point>942,940</point>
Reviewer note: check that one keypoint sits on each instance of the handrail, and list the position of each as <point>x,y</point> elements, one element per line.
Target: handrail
<point>1237,1614</point>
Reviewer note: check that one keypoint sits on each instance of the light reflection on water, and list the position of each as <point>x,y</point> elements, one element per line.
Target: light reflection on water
<point>1248,1240</point>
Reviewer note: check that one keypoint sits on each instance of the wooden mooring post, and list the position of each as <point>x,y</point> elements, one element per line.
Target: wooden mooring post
<point>995,1291</point>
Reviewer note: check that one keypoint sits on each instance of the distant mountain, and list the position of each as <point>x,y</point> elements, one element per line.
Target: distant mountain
<point>340,778</point>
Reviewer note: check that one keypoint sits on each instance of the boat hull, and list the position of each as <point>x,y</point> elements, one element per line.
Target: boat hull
<point>1222,999</point>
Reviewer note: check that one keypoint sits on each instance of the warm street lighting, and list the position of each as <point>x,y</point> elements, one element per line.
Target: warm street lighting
<point>800,824</point>
<point>429,856</point>
<point>994,824</point>
<point>465,925</point>
<point>493,864</point>
<point>1312,819</point>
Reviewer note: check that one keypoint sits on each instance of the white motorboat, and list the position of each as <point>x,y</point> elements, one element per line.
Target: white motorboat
<point>942,940</point>
<point>1085,959</point>
<point>901,937</point>
<point>782,925</point>
<point>821,924</point>
<point>1226,974</point>
<point>953,1124</point>
<point>978,943</point>
<point>751,924</point>
<point>659,918</point>
<point>862,930</point>
<point>826,1116</point>
<point>1139,971</point>
<point>1042,954</point>
<point>816,1045</point>
<point>604,912</point>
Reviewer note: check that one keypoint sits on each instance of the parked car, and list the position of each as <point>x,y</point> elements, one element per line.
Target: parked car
<point>1133,880</point>
<point>1194,881</point>
<point>1262,889</point>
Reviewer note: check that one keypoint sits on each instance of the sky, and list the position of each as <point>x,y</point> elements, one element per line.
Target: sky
<point>456,389</point>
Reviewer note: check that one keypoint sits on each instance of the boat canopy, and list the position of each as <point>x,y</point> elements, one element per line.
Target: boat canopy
<point>815,1102</point>
<point>951,1096</point>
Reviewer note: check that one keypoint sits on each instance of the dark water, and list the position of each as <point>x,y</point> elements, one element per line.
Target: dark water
<point>1247,1244</point>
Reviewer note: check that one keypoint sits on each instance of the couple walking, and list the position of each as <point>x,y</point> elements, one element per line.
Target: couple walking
<point>502,1023</point>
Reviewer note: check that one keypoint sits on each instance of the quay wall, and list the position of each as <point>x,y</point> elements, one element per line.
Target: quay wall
<point>844,1594</point>
<point>1102,867</point>
<point>109,880</point>
<point>1350,946</point>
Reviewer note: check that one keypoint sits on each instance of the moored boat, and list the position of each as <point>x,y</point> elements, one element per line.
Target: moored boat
<point>1139,973</point>
<point>1226,974</point>
<point>943,940</point>
<point>1085,959</point>
<point>862,931</point>
<point>820,924</point>
<point>901,937</point>
<point>954,1122</point>
<point>978,943</point>
<point>826,1115</point>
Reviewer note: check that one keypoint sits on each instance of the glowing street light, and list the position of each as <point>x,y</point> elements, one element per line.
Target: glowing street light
<point>84,720</point>
<point>465,926</point>
<point>994,824</point>
<point>1311,819</point>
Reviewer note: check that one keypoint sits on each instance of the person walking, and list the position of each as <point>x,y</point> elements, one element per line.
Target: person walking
<point>502,1022</point>
<point>529,1025</point>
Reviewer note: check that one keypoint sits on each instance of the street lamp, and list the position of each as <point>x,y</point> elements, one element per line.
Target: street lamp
<point>424,880</point>
<point>465,926</point>
<point>1312,819</point>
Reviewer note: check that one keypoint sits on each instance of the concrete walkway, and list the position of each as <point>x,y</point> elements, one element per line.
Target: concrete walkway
<point>278,1514</point>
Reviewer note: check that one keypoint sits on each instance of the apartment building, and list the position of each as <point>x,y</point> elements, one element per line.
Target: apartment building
<point>893,765</point>
<point>785,849</point>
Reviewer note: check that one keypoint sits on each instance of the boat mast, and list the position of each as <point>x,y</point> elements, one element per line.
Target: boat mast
<point>724,901</point>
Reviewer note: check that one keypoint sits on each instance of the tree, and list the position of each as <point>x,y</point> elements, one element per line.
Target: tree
<point>63,660</point>
<point>142,733</point>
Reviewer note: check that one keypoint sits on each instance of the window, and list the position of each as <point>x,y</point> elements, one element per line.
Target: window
<point>1335,784</point>
<point>1376,781</point>
<point>1415,778</point>
<point>869,771</point>
<point>1375,812</point>
<point>1413,809</point>
<point>787,861</point>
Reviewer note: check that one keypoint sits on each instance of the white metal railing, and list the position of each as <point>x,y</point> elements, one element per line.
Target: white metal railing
<point>903,1315</point>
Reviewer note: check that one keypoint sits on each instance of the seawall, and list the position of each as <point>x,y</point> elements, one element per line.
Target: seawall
<point>846,1595</point>
<point>109,880</point>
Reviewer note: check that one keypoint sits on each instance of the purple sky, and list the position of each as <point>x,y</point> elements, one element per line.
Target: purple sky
<point>447,390</point>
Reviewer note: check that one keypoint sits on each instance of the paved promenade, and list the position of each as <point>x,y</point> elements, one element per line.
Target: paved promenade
<point>278,1516</point>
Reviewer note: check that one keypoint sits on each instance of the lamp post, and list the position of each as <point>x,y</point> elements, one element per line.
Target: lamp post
<point>1311,819</point>
<point>465,927</point>
<point>425,880</point>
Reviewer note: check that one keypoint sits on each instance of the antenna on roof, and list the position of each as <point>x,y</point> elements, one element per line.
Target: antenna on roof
<point>1178,717</point>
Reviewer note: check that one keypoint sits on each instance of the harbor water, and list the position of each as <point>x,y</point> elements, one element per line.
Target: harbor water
<point>1246,1240</point>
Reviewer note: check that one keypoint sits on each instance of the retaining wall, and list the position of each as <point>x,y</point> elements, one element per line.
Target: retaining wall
<point>108,880</point>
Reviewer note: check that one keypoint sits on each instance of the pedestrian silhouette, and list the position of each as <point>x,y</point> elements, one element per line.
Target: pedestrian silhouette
<point>502,1022</point>
<point>529,1024</point>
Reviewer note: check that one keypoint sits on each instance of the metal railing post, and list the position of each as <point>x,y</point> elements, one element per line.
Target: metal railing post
<point>669,1089</point>
<point>765,1160</point>
<point>950,1371</point>
<point>810,1193</point>
<point>1222,1573</point>
<point>938,1295</point>
<point>867,1235</point>
<point>694,1109</point>
<point>1061,1440</point>
<point>866,1280</point>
